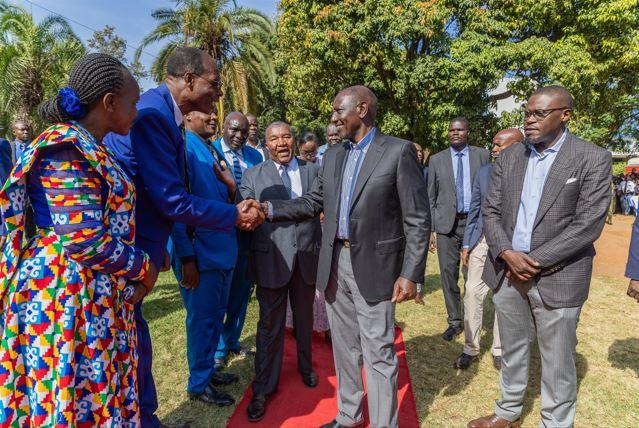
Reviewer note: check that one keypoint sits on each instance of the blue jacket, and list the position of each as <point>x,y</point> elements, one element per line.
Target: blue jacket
<point>475,222</point>
<point>153,154</point>
<point>632,267</point>
<point>212,249</point>
<point>6,164</point>
<point>251,156</point>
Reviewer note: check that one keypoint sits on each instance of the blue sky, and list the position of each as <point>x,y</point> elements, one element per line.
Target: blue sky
<point>131,18</point>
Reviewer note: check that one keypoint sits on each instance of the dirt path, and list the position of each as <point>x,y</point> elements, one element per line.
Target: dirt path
<point>612,248</point>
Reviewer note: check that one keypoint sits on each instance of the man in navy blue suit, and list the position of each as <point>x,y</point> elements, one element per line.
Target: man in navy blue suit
<point>474,252</point>
<point>632,267</point>
<point>154,156</point>
<point>232,148</point>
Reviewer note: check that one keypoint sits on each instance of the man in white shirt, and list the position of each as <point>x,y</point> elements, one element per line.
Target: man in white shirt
<point>254,137</point>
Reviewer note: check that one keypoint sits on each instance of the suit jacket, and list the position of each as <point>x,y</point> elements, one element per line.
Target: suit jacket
<point>277,247</point>
<point>251,156</point>
<point>571,216</point>
<point>475,222</point>
<point>389,219</point>
<point>632,267</point>
<point>153,155</point>
<point>212,249</point>
<point>441,185</point>
<point>6,162</point>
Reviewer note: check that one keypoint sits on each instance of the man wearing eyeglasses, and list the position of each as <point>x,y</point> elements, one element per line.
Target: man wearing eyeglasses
<point>546,205</point>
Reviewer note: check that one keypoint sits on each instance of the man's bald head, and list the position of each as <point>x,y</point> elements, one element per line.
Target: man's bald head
<point>557,92</point>
<point>354,112</point>
<point>361,94</point>
<point>504,139</point>
<point>235,130</point>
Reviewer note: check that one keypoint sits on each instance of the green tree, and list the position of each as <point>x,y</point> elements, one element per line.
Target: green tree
<point>236,37</point>
<point>35,59</point>
<point>107,41</point>
<point>429,61</point>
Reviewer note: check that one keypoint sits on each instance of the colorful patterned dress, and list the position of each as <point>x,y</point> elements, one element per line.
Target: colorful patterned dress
<point>67,338</point>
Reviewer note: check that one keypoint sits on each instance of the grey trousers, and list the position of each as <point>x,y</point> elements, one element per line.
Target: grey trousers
<point>361,332</point>
<point>522,317</point>
<point>449,247</point>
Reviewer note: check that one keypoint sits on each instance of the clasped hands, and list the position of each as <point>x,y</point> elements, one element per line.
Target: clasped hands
<point>520,266</point>
<point>250,214</point>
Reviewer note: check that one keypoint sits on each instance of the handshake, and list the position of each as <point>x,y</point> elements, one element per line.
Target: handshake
<point>250,214</point>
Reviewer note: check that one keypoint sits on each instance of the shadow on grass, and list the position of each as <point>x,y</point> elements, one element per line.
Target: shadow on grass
<point>165,300</point>
<point>624,353</point>
<point>431,284</point>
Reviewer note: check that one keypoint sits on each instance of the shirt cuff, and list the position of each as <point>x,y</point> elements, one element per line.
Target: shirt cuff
<point>465,247</point>
<point>270,210</point>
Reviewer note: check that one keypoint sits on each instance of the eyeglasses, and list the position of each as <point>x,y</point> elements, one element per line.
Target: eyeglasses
<point>540,114</point>
<point>215,84</point>
<point>308,154</point>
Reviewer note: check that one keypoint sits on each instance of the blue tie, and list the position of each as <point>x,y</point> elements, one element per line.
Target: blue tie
<point>237,169</point>
<point>459,183</point>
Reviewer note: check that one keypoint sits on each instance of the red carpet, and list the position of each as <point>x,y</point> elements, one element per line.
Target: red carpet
<point>297,406</point>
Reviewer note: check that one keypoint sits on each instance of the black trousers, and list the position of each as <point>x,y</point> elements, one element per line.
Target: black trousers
<point>449,247</point>
<point>271,326</point>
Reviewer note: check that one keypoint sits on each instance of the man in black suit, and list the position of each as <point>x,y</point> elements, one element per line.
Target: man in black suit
<point>373,252</point>
<point>284,263</point>
<point>450,177</point>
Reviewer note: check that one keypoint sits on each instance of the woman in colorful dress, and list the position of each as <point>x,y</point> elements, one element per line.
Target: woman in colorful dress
<point>67,335</point>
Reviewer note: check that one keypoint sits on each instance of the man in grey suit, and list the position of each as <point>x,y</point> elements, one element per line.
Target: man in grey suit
<point>283,261</point>
<point>450,177</point>
<point>546,205</point>
<point>474,257</point>
<point>373,252</point>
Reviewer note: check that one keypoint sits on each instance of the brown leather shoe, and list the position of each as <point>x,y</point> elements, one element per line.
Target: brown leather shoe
<point>493,421</point>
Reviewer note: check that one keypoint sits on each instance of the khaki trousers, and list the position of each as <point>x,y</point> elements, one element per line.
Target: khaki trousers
<point>476,290</point>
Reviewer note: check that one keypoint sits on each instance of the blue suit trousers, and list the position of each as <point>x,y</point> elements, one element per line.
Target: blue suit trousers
<point>241,288</point>
<point>205,307</point>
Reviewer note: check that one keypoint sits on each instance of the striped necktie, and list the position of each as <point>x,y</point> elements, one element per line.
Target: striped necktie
<point>459,183</point>
<point>286,179</point>
<point>237,168</point>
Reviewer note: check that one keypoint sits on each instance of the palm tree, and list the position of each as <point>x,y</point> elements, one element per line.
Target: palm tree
<point>236,37</point>
<point>35,59</point>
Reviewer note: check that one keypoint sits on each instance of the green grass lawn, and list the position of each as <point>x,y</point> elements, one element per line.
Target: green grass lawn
<point>607,361</point>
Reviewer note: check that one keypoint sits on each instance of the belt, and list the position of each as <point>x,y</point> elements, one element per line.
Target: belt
<point>345,242</point>
<point>461,215</point>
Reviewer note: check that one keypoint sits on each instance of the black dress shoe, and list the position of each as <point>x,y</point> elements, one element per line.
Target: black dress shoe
<point>464,361</point>
<point>452,332</point>
<point>213,396</point>
<point>335,424</point>
<point>219,379</point>
<point>242,352</point>
<point>497,362</point>
<point>310,379</point>
<point>256,408</point>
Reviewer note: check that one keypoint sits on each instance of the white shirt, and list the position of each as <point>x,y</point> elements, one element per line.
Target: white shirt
<point>229,156</point>
<point>630,186</point>
<point>177,113</point>
<point>294,175</point>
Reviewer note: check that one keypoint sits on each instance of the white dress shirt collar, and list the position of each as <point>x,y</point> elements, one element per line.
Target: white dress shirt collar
<point>177,113</point>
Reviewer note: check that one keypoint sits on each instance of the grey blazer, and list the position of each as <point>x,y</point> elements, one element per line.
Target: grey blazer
<point>441,186</point>
<point>571,216</point>
<point>389,218</point>
<point>475,223</point>
<point>277,247</point>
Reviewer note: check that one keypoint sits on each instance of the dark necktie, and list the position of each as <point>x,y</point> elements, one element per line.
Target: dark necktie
<point>286,179</point>
<point>459,183</point>
<point>237,168</point>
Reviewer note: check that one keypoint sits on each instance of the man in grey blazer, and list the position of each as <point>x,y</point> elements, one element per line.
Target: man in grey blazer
<point>374,244</point>
<point>474,257</point>
<point>283,262</point>
<point>546,205</point>
<point>450,178</point>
